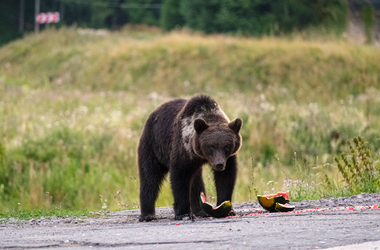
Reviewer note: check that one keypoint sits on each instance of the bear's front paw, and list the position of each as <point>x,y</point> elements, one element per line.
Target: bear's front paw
<point>232,213</point>
<point>180,216</point>
<point>147,218</point>
<point>201,214</point>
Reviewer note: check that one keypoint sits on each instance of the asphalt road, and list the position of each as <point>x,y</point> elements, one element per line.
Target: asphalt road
<point>305,229</point>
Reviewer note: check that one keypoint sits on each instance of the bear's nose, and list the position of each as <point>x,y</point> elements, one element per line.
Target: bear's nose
<point>219,165</point>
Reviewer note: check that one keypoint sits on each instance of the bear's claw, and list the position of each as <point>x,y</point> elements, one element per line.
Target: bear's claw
<point>180,216</point>
<point>232,213</point>
<point>147,218</point>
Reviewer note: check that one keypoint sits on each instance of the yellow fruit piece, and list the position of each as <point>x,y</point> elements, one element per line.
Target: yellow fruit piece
<point>265,202</point>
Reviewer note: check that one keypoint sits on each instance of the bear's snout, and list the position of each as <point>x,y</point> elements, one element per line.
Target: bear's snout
<point>219,166</point>
<point>218,162</point>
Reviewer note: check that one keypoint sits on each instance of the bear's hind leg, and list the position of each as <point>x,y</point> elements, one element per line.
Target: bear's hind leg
<point>151,177</point>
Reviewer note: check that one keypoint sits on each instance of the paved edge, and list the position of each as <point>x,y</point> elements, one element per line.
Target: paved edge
<point>370,245</point>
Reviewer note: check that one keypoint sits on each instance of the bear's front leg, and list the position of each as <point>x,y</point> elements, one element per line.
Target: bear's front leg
<point>197,186</point>
<point>225,181</point>
<point>180,179</point>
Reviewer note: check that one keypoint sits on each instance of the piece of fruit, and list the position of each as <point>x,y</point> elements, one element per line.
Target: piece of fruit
<point>220,211</point>
<point>269,201</point>
<point>283,194</point>
<point>284,207</point>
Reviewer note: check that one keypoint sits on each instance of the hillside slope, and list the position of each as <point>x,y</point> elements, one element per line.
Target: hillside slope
<point>177,63</point>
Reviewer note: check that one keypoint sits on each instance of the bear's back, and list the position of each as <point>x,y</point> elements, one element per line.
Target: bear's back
<point>158,131</point>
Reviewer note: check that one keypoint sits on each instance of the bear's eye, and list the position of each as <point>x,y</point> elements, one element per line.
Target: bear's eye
<point>212,147</point>
<point>227,148</point>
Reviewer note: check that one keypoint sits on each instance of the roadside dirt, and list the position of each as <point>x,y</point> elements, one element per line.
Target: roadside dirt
<point>166,214</point>
<point>345,223</point>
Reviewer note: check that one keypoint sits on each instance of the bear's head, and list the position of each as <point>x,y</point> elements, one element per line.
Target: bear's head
<point>216,142</point>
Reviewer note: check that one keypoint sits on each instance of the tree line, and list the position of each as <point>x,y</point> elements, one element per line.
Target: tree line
<point>246,17</point>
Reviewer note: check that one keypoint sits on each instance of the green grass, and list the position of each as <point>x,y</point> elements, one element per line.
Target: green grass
<point>46,213</point>
<point>73,104</point>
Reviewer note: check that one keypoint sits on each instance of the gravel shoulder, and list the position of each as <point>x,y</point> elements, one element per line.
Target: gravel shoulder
<point>166,214</point>
<point>342,222</point>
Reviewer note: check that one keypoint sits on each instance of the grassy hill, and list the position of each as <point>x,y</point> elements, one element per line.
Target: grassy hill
<point>73,104</point>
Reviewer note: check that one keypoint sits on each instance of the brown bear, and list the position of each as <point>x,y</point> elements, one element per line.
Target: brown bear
<point>180,137</point>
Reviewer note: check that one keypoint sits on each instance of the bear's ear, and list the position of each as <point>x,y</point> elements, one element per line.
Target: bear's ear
<point>200,125</point>
<point>235,125</point>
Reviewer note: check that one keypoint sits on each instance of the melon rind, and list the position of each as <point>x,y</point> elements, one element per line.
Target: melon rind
<point>284,208</point>
<point>268,202</point>
<point>220,211</point>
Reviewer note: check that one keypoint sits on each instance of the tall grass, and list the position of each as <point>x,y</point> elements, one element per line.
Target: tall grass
<point>73,104</point>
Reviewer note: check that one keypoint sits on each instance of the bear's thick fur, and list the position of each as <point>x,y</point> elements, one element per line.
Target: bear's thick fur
<point>180,137</point>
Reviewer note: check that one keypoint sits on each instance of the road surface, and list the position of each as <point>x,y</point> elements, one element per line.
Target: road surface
<point>344,228</point>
